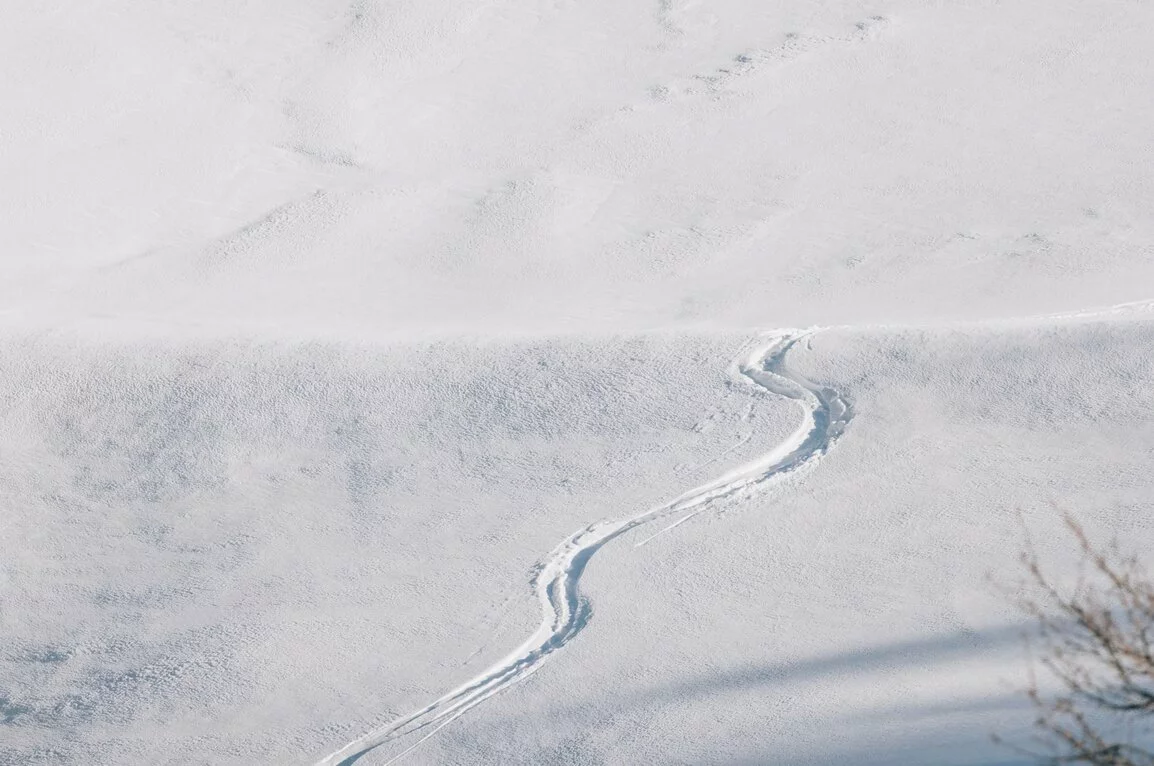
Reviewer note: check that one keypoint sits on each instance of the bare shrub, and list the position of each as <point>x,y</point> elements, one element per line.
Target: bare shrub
<point>1094,640</point>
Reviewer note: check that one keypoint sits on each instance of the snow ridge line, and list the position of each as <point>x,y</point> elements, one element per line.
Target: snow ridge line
<point>556,581</point>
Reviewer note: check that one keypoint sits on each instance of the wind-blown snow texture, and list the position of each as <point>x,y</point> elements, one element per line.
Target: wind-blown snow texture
<point>321,324</point>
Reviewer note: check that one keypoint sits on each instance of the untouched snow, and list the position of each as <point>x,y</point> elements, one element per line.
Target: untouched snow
<point>323,324</point>
<point>430,166</point>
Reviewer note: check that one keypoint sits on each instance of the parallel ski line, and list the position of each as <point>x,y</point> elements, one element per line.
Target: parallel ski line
<point>565,611</point>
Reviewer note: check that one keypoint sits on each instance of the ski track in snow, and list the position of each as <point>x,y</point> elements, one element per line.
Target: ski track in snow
<point>557,581</point>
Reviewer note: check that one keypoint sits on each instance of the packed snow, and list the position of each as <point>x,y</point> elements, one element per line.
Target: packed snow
<point>534,382</point>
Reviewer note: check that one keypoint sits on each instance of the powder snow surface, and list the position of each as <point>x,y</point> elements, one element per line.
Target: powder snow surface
<point>325,327</point>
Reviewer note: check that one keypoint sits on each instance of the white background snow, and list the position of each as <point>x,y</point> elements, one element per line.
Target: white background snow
<point>322,323</point>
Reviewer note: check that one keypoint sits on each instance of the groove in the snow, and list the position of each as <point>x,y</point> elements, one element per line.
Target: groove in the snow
<point>557,581</point>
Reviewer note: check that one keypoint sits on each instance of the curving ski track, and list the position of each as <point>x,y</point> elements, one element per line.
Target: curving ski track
<point>557,581</point>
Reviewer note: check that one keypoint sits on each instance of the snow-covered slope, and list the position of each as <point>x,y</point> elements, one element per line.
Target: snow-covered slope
<point>849,620</point>
<point>415,167</point>
<point>232,552</point>
<point>322,324</point>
